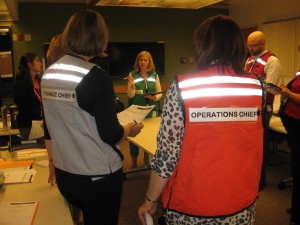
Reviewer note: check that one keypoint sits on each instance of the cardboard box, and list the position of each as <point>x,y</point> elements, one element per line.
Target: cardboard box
<point>6,67</point>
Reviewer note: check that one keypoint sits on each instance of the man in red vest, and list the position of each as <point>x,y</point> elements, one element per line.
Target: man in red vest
<point>265,63</point>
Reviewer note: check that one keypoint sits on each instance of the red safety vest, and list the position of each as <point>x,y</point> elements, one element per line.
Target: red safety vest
<point>257,66</point>
<point>292,108</point>
<point>221,155</point>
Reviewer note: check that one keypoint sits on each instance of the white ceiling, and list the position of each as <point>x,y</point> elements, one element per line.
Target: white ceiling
<point>9,8</point>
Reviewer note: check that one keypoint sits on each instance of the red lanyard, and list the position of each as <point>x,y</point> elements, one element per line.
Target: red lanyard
<point>37,90</point>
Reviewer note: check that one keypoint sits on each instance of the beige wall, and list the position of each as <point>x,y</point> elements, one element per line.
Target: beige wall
<point>250,13</point>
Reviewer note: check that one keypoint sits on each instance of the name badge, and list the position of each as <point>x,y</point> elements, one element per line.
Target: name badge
<point>58,95</point>
<point>223,114</point>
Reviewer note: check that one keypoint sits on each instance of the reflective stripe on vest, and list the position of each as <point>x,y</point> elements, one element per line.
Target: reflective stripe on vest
<point>64,72</point>
<point>142,87</point>
<point>209,92</point>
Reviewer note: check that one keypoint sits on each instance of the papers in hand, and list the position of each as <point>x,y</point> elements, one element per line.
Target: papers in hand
<point>154,93</point>
<point>273,89</point>
<point>134,113</point>
<point>149,219</point>
<point>37,130</point>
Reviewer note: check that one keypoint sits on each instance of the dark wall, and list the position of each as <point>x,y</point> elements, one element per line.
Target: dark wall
<point>174,26</point>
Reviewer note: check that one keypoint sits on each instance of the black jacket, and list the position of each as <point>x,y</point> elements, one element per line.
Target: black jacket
<point>29,105</point>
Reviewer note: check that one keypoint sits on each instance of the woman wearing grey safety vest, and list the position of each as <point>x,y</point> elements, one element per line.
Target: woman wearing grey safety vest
<point>210,142</point>
<point>80,113</point>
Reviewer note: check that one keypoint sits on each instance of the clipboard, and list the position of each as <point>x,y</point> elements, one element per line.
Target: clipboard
<point>154,93</point>
<point>273,89</point>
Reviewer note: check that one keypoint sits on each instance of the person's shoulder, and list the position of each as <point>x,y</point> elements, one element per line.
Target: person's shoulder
<point>97,76</point>
<point>98,72</point>
<point>274,60</point>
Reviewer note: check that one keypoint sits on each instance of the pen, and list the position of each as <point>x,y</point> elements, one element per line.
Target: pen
<point>30,179</point>
<point>21,203</point>
<point>143,108</point>
<point>135,121</point>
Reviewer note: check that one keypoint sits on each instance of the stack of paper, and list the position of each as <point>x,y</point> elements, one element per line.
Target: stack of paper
<point>149,219</point>
<point>29,153</point>
<point>17,171</point>
<point>37,130</point>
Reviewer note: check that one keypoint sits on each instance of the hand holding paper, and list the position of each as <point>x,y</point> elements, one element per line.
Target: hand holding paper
<point>134,113</point>
<point>149,219</point>
<point>135,129</point>
<point>273,89</point>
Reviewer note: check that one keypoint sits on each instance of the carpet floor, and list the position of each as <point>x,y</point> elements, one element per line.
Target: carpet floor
<point>271,203</point>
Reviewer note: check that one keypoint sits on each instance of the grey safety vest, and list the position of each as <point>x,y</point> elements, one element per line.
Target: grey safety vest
<point>76,145</point>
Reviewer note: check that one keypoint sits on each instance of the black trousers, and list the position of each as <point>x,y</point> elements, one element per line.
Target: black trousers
<point>266,120</point>
<point>292,127</point>
<point>99,200</point>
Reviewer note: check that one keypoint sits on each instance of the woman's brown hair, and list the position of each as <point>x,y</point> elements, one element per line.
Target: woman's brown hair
<point>219,41</point>
<point>86,34</point>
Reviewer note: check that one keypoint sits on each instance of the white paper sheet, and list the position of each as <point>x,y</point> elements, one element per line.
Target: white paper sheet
<point>18,175</point>
<point>37,130</point>
<point>134,113</point>
<point>18,213</point>
<point>149,219</point>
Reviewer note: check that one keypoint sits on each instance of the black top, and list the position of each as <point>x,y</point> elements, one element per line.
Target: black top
<point>27,101</point>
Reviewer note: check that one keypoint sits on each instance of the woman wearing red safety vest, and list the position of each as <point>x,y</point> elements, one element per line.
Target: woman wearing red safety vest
<point>210,142</point>
<point>290,116</point>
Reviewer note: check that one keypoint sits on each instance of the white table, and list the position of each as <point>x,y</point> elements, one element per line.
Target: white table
<point>52,209</point>
<point>146,140</point>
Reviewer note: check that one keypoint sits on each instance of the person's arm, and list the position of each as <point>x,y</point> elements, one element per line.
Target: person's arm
<point>95,94</point>
<point>285,92</point>
<point>156,186</point>
<point>48,145</point>
<point>52,177</point>
<point>158,89</point>
<point>131,130</point>
<point>273,70</point>
<point>164,161</point>
<point>130,86</point>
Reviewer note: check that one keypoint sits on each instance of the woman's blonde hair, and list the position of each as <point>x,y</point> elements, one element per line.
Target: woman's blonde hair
<point>147,54</point>
<point>86,34</point>
<point>55,50</point>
